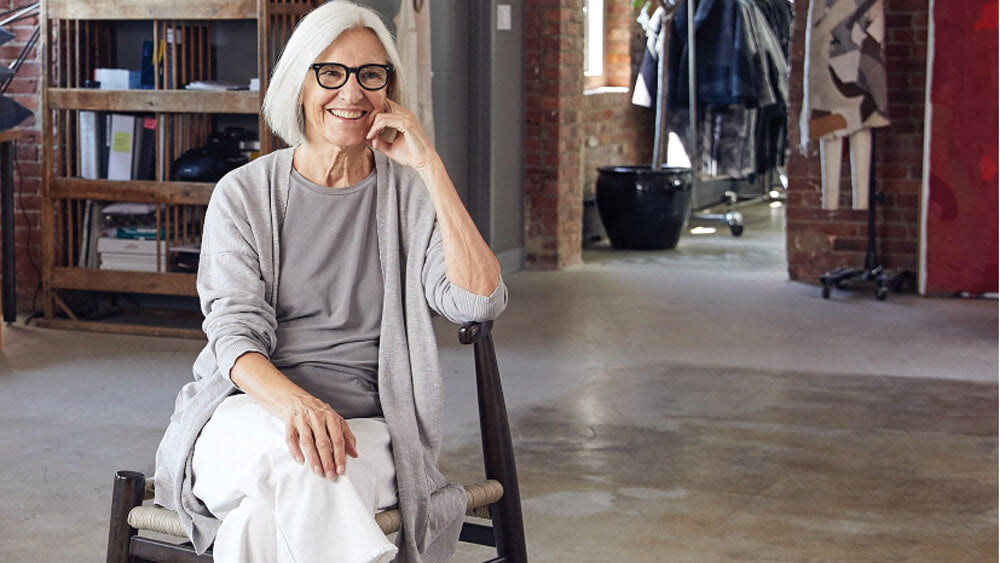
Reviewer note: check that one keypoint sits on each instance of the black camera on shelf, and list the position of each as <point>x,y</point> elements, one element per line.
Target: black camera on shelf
<point>220,154</point>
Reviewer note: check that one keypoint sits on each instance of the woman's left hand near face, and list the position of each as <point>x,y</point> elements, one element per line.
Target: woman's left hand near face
<point>410,147</point>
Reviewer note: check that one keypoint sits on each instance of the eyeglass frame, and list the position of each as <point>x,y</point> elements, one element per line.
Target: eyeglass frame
<point>356,70</point>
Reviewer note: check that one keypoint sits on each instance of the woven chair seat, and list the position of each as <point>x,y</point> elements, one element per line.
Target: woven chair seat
<point>149,518</point>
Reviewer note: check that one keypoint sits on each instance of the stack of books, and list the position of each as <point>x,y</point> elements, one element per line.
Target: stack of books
<point>132,254</point>
<point>124,236</point>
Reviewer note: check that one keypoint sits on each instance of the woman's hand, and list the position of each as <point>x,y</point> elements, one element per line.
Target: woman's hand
<point>469,262</point>
<point>314,432</point>
<point>317,435</point>
<point>410,146</point>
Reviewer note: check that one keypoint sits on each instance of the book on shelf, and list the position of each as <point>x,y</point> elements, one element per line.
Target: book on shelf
<point>144,154</point>
<point>82,256</point>
<point>90,133</point>
<point>90,231</point>
<point>116,245</point>
<point>163,59</point>
<point>122,136</point>
<point>105,146</point>
<point>133,262</point>
<point>147,72</point>
<point>141,232</point>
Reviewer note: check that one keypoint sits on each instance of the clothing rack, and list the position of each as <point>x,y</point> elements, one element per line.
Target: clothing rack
<point>727,189</point>
<point>872,271</point>
<point>730,218</point>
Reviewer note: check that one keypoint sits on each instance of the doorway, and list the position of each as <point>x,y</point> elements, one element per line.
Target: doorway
<point>478,107</point>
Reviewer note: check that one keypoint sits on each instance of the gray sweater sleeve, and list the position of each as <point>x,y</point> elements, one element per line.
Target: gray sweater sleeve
<point>451,301</point>
<point>238,318</point>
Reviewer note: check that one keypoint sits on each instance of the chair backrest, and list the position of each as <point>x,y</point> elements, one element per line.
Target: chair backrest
<point>498,451</point>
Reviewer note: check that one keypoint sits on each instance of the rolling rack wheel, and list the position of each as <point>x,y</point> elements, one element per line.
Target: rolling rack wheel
<point>838,278</point>
<point>732,219</point>
<point>735,221</point>
<point>881,293</point>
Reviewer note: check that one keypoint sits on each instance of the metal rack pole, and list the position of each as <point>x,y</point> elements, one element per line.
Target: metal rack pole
<point>692,94</point>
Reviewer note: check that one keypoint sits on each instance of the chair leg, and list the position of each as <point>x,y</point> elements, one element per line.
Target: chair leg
<point>127,494</point>
<point>498,454</point>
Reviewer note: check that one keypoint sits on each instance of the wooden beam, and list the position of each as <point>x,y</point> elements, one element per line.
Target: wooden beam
<point>144,191</point>
<point>167,101</point>
<point>161,283</point>
<point>151,9</point>
<point>122,328</point>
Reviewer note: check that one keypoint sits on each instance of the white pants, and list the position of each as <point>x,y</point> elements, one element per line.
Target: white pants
<point>273,509</point>
<point>831,153</point>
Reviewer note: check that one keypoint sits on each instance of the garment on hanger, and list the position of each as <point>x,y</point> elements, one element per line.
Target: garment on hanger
<point>778,14</point>
<point>741,75</point>
<point>772,138</point>
<point>413,41</point>
<point>656,27</point>
<point>831,155</point>
<point>739,59</point>
<point>727,139</point>
<point>844,89</point>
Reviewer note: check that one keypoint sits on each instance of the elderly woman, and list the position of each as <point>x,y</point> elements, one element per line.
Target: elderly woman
<point>317,400</point>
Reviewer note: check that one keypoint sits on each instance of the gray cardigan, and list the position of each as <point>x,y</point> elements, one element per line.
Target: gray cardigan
<point>238,287</point>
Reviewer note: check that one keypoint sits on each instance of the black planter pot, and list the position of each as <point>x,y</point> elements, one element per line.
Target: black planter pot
<point>642,208</point>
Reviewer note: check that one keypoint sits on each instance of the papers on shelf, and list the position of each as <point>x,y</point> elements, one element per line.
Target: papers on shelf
<point>129,208</point>
<point>216,85</point>
<point>112,78</point>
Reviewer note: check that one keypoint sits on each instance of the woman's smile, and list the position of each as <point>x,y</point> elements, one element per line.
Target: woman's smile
<point>352,114</point>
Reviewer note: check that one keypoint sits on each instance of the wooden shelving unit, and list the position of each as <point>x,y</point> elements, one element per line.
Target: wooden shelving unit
<point>78,37</point>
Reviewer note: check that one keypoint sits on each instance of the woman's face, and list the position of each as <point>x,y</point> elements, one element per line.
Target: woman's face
<point>344,116</point>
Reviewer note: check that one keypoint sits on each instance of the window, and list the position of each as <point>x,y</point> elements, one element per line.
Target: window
<point>593,38</point>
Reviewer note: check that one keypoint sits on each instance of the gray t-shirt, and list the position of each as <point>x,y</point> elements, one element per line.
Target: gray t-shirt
<point>329,308</point>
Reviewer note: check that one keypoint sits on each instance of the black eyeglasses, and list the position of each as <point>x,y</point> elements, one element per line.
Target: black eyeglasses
<point>334,75</point>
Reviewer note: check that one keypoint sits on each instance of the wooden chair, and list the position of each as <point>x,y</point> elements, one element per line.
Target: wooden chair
<point>144,532</point>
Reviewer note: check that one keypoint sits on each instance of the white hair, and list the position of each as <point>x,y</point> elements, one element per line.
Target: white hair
<point>282,106</point>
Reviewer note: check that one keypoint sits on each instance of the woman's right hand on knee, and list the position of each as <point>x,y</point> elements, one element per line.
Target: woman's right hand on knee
<point>314,432</point>
<point>317,435</point>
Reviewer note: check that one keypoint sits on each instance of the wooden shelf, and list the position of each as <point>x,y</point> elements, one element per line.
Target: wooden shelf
<point>79,36</point>
<point>190,193</point>
<point>151,9</point>
<point>167,101</point>
<point>116,327</point>
<point>160,283</point>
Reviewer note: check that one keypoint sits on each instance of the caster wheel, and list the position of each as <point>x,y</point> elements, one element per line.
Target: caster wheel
<point>881,293</point>
<point>825,291</point>
<point>737,230</point>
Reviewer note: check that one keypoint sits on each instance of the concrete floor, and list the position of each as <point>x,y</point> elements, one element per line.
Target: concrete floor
<point>684,405</point>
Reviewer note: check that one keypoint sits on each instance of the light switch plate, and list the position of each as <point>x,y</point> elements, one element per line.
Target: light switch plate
<point>503,17</point>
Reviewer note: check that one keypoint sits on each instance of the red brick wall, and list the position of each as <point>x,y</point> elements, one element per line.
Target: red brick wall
<point>613,132</point>
<point>28,169</point>
<point>568,134</point>
<point>820,240</point>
